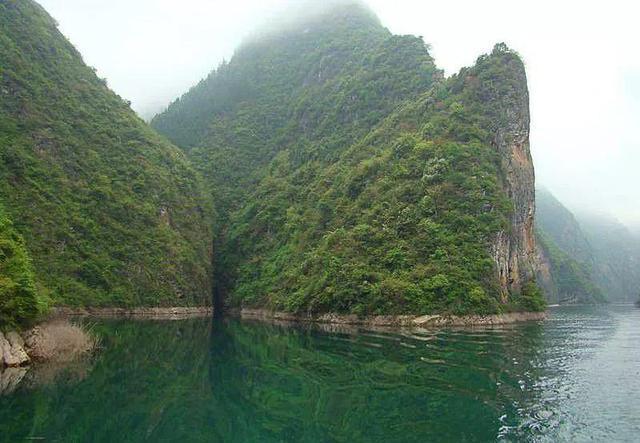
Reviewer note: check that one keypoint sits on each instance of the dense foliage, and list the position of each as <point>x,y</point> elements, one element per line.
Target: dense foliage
<point>19,299</point>
<point>312,90</point>
<point>112,214</point>
<point>349,175</point>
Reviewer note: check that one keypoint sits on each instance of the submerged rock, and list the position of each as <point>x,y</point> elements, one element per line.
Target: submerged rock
<point>10,379</point>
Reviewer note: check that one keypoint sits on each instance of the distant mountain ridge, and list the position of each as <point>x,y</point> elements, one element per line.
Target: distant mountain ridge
<point>593,258</point>
<point>617,256</point>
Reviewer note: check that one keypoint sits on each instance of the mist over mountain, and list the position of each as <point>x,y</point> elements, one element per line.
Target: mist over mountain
<point>587,155</point>
<point>617,252</point>
<point>566,256</point>
<point>593,257</point>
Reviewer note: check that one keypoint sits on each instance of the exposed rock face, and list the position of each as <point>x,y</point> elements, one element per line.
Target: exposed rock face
<point>544,276</point>
<point>12,348</point>
<point>515,251</point>
<point>57,342</point>
<point>405,321</point>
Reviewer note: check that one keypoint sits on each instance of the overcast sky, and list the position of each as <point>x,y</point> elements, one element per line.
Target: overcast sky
<point>582,59</point>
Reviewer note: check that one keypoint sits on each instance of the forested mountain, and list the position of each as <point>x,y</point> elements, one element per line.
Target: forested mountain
<point>313,90</point>
<point>350,176</point>
<point>617,256</point>
<point>592,258</point>
<point>110,212</point>
<point>567,252</point>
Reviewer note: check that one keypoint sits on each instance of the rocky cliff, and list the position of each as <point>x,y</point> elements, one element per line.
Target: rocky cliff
<point>514,249</point>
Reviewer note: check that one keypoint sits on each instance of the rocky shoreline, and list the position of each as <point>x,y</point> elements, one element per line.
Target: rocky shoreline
<point>151,313</point>
<point>56,341</point>
<point>404,321</point>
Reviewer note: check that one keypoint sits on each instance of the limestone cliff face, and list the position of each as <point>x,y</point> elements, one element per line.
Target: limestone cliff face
<point>514,250</point>
<point>544,275</point>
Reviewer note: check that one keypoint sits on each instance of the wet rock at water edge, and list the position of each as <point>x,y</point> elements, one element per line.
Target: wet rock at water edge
<point>12,348</point>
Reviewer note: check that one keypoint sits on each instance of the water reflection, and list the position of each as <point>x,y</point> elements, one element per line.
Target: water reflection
<point>303,384</point>
<point>238,381</point>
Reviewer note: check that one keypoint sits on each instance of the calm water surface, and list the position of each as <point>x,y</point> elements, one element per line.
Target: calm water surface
<point>574,377</point>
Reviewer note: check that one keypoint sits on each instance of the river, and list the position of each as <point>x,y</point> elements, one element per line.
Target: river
<point>573,377</point>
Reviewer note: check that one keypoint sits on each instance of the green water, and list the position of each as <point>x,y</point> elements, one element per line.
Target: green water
<point>574,377</point>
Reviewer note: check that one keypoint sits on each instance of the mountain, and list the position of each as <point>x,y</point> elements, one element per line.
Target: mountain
<point>565,254</point>
<point>350,176</point>
<point>312,89</point>
<point>561,225</point>
<point>110,212</point>
<point>617,256</point>
<point>591,257</point>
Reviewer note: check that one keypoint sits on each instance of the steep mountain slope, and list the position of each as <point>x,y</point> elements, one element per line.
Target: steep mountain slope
<point>616,255</point>
<point>407,220</point>
<point>352,177</point>
<point>566,252</point>
<point>111,213</point>
<point>561,225</point>
<point>312,89</point>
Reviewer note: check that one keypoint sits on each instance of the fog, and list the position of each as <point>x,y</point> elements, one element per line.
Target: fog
<point>581,56</point>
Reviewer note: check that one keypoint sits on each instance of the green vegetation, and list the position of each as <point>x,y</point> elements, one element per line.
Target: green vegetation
<point>586,265</point>
<point>112,214</point>
<point>572,279</point>
<point>349,176</point>
<point>19,298</point>
<point>312,91</point>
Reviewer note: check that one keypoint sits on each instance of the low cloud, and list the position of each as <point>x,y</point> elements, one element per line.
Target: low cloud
<point>584,76</point>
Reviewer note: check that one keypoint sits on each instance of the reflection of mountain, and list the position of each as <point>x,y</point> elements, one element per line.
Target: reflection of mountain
<point>244,382</point>
<point>299,384</point>
<point>149,382</point>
